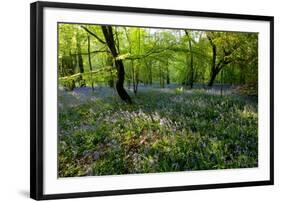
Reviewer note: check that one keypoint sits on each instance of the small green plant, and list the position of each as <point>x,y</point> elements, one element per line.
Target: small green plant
<point>179,90</point>
<point>198,91</point>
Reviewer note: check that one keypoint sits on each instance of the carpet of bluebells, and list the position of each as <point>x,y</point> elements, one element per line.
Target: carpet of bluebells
<point>164,130</point>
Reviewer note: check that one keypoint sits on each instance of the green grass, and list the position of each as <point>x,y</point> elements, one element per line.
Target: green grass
<point>160,132</point>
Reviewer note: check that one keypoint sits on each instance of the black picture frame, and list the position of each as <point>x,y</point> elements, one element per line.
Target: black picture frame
<point>36,98</point>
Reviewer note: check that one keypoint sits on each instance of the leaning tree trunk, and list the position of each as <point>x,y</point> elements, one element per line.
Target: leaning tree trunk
<point>108,35</point>
<point>216,70</point>
<point>214,74</point>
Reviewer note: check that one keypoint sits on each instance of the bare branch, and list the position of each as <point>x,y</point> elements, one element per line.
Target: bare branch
<point>93,34</point>
<point>97,51</point>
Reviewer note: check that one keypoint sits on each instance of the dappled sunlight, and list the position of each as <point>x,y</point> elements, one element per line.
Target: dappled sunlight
<point>248,112</point>
<point>162,131</point>
<point>145,100</point>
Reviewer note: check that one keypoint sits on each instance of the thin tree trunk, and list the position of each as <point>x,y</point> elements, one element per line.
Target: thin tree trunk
<point>80,58</point>
<point>80,62</point>
<point>161,75</point>
<point>133,75</point>
<point>150,74</point>
<point>213,73</point>
<point>109,62</point>
<point>90,62</point>
<point>190,74</point>
<point>221,82</point>
<point>138,62</point>
<point>137,80</point>
<point>73,62</point>
<point>132,62</point>
<point>167,73</point>
<point>149,65</point>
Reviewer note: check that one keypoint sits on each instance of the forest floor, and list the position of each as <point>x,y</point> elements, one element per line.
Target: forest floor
<point>165,129</point>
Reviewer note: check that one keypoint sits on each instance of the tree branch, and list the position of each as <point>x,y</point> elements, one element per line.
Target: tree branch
<point>93,34</point>
<point>97,51</point>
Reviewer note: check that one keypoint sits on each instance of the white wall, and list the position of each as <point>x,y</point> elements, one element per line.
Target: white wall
<point>14,100</point>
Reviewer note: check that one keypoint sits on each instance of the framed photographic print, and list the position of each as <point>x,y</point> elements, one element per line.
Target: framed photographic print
<point>136,100</point>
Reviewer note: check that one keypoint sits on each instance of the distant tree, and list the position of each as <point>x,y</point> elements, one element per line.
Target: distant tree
<point>90,62</point>
<point>230,48</point>
<point>190,74</point>
<point>222,48</point>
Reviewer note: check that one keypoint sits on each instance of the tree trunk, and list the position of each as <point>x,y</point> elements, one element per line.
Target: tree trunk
<point>150,75</point>
<point>120,82</point>
<point>73,61</point>
<point>222,82</point>
<point>80,58</point>
<point>90,62</point>
<point>80,63</point>
<point>167,73</point>
<point>161,79</point>
<point>109,62</point>
<point>214,74</point>
<point>217,66</point>
<point>138,64</point>
<point>133,75</point>
<point>136,80</point>
<point>149,70</point>
<point>108,35</point>
<point>190,75</point>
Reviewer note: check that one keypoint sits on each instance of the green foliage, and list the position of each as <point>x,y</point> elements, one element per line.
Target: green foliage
<point>158,55</point>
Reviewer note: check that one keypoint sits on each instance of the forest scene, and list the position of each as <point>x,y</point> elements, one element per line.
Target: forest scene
<point>148,100</point>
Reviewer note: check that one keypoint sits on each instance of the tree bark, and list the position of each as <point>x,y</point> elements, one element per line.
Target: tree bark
<point>108,35</point>
<point>216,70</point>
<point>213,68</point>
<point>80,62</point>
<point>150,74</point>
<point>109,62</point>
<point>137,67</point>
<point>133,75</point>
<point>167,73</point>
<point>190,74</point>
<point>136,80</point>
<point>212,78</point>
<point>90,62</point>
<point>216,66</point>
<point>161,79</point>
<point>79,55</point>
